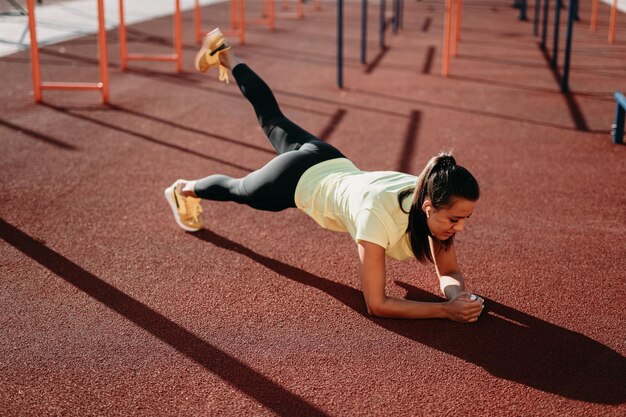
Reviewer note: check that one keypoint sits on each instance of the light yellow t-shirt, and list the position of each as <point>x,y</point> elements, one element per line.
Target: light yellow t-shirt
<point>341,197</point>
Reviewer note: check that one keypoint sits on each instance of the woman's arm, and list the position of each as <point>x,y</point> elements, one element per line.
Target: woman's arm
<point>451,280</point>
<point>373,280</point>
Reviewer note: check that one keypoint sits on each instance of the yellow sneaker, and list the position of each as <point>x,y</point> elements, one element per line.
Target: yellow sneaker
<point>209,54</point>
<point>186,210</point>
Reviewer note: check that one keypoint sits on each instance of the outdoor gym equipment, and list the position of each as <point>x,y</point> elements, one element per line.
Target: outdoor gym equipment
<point>451,32</point>
<point>38,85</point>
<point>176,57</point>
<point>571,17</point>
<point>237,20</point>
<point>612,19</point>
<point>397,10</point>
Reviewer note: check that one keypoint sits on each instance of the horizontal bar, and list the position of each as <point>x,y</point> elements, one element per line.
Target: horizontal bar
<point>621,100</point>
<point>71,86</point>
<point>151,57</point>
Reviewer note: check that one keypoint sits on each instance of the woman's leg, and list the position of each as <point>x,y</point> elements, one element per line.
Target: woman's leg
<point>270,188</point>
<point>283,134</point>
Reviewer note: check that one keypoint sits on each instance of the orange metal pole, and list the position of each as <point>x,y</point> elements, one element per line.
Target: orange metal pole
<point>177,56</point>
<point>459,15</point>
<point>103,57</point>
<point>318,5</point>
<point>233,14</point>
<point>594,15</point>
<point>39,86</point>
<point>272,15</point>
<point>242,22</point>
<point>612,22</point>
<point>455,27</point>
<point>300,9</point>
<point>446,38</point>
<point>268,16</point>
<point>197,19</point>
<point>122,35</point>
<point>34,51</point>
<point>178,37</point>
<point>51,85</point>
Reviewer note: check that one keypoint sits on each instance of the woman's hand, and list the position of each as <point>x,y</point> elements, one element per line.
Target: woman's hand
<point>464,308</point>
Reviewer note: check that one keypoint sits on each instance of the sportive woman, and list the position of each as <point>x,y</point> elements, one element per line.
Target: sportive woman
<point>386,213</point>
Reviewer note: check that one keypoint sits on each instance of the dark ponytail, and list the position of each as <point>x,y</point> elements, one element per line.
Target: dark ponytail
<point>441,181</point>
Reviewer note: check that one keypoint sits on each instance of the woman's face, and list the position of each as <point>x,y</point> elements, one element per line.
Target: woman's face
<point>446,222</point>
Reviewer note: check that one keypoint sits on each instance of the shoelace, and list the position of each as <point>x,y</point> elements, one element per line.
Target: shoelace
<point>224,74</point>
<point>194,209</point>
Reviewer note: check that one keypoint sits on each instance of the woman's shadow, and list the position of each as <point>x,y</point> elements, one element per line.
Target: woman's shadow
<point>506,342</point>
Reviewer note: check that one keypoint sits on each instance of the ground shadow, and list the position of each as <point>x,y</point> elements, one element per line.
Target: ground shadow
<point>570,100</point>
<point>143,136</point>
<point>136,113</point>
<point>477,112</point>
<point>234,372</point>
<point>332,125</point>
<point>428,62</point>
<point>376,61</point>
<point>40,136</point>
<point>505,342</point>
<point>426,24</point>
<point>410,142</point>
<point>193,81</point>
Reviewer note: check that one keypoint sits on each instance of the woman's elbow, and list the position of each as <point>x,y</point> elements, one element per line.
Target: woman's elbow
<point>376,308</point>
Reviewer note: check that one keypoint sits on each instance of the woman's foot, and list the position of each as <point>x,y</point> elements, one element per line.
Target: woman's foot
<point>185,205</point>
<point>213,46</point>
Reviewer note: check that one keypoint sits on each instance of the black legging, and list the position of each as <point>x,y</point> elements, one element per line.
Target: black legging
<point>272,187</point>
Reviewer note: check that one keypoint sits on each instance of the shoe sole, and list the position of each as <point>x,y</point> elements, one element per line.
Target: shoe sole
<point>203,50</point>
<point>171,200</point>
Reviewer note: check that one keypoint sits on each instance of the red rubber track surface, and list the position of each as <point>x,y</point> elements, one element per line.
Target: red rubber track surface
<point>109,309</point>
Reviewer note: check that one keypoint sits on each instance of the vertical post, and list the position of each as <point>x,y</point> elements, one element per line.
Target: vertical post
<point>271,7</point>
<point>536,17</point>
<point>446,38</point>
<point>363,32</point>
<point>178,37</point>
<point>383,24</point>
<point>594,15</point>
<point>612,22</point>
<point>555,50</point>
<point>122,35</point>
<point>34,51</point>
<point>457,27</point>
<point>618,128</point>
<point>197,20</point>
<point>340,43</point>
<point>571,16</point>
<point>242,21</point>
<point>522,11</point>
<point>233,14</point>
<point>299,9</point>
<point>544,26</point>
<point>396,16</point>
<point>102,54</point>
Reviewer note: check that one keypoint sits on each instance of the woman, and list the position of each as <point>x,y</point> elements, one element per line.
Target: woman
<point>387,213</point>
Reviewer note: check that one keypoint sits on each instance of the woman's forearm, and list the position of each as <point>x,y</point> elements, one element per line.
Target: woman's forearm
<point>408,309</point>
